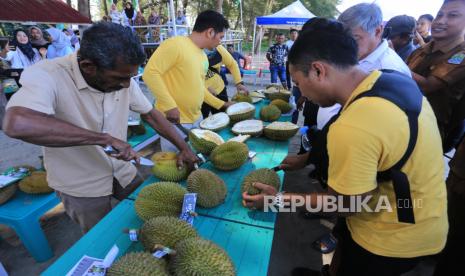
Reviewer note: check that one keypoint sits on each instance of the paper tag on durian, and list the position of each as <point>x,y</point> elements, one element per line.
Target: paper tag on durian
<point>133,235</point>
<point>188,207</point>
<point>161,253</point>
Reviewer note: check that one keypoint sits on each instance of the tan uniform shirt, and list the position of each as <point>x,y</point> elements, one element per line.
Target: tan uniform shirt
<point>448,65</point>
<point>57,87</point>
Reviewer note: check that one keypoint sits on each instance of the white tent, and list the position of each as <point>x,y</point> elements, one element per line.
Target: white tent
<point>292,16</point>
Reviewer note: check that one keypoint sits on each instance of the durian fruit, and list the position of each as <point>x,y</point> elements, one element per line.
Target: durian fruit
<point>285,107</point>
<point>166,168</point>
<point>240,138</point>
<point>138,129</point>
<point>274,86</point>
<point>160,199</point>
<point>165,231</point>
<point>229,156</point>
<point>139,263</point>
<point>240,111</point>
<point>280,131</point>
<point>204,141</point>
<point>256,96</point>
<point>281,95</point>
<point>36,183</point>
<point>241,98</point>
<point>210,188</point>
<point>197,256</point>
<point>215,122</point>
<point>7,192</point>
<point>250,127</point>
<point>265,176</point>
<point>270,113</point>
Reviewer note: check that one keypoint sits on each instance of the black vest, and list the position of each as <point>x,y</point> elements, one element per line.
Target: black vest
<point>405,94</point>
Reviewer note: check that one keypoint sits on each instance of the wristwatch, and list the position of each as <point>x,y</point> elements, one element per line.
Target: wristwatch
<point>241,82</point>
<point>278,200</point>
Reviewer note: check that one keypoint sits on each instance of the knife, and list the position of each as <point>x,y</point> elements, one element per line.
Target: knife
<point>277,168</point>
<point>143,161</point>
<point>183,130</point>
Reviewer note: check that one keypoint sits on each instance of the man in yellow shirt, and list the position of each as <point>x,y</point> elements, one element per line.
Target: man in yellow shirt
<point>176,73</point>
<point>215,82</point>
<point>391,222</point>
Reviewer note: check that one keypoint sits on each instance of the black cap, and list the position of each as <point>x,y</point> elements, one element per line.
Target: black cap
<point>401,24</point>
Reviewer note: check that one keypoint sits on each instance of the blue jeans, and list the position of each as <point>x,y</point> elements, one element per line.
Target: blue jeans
<point>297,94</point>
<point>278,70</point>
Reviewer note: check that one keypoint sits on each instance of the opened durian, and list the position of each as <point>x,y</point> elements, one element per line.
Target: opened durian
<point>256,96</point>
<point>265,176</point>
<point>281,95</point>
<point>165,231</point>
<point>280,131</point>
<point>229,156</point>
<point>204,140</point>
<point>241,98</point>
<point>36,183</point>
<point>284,106</point>
<point>250,127</point>
<point>166,168</point>
<point>240,138</point>
<point>240,111</point>
<point>7,192</point>
<point>215,122</point>
<point>139,263</point>
<point>160,199</point>
<point>270,113</point>
<point>210,188</point>
<point>197,256</point>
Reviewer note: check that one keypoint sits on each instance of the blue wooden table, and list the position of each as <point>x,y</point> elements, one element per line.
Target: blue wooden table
<point>138,142</point>
<point>246,235</point>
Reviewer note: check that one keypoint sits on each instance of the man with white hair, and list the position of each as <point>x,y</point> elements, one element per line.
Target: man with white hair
<point>365,21</point>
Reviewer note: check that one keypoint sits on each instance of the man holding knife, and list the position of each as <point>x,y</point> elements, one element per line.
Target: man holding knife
<point>75,106</point>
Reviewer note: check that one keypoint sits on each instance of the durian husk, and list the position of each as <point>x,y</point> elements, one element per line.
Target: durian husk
<point>204,141</point>
<point>280,131</point>
<point>213,122</point>
<point>36,183</point>
<point>242,98</point>
<point>165,167</point>
<point>210,188</point>
<point>7,192</point>
<point>248,127</point>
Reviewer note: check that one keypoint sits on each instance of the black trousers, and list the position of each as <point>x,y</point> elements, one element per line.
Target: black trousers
<point>355,260</point>
<point>206,109</point>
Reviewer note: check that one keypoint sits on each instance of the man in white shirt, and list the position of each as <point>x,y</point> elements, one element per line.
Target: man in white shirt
<point>366,24</point>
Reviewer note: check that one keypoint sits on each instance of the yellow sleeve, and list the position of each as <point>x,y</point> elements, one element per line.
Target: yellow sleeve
<point>353,159</point>
<point>230,63</point>
<point>164,58</point>
<point>212,100</point>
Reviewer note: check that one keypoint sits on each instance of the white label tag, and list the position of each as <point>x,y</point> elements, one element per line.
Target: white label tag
<point>188,207</point>
<point>133,235</point>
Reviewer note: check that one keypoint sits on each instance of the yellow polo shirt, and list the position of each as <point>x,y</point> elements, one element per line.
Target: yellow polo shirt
<point>214,80</point>
<point>175,74</point>
<point>371,135</point>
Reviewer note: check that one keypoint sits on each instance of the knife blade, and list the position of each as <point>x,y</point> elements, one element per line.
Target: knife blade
<point>277,168</point>
<point>144,162</point>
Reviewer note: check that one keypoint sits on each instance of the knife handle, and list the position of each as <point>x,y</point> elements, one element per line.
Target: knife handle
<point>110,150</point>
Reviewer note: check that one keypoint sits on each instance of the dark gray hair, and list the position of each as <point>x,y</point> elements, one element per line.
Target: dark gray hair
<point>106,43</point>
<point>364,15</point>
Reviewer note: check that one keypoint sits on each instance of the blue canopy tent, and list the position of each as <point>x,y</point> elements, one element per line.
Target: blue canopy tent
<point>293,16</point>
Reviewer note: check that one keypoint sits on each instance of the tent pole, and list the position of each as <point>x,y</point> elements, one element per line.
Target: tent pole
<point>260,45</point>
<point>253,39</point>
<point>173,17</point>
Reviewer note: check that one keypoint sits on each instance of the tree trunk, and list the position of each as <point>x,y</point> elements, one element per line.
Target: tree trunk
<point>105,6</point>
<point>84,8</point>
<point>184,6</point>
<point>219,6</point>
<point>68,2</point>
